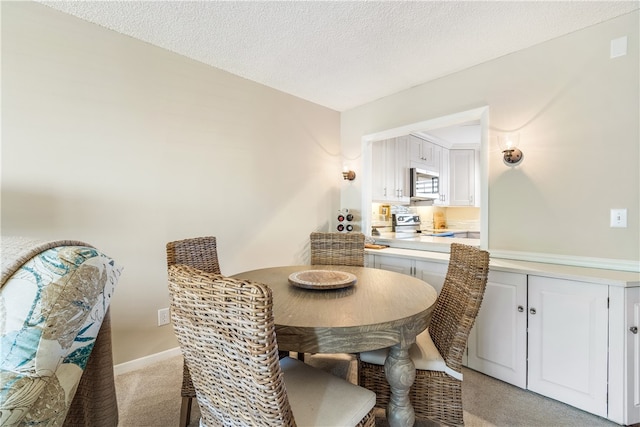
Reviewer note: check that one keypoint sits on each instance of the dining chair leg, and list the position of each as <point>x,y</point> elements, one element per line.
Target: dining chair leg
<point>185,411</point>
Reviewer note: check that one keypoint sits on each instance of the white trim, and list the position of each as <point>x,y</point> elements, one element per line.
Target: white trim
<point>576,261</point>
<point>143,362</point>
<point>435,123</point>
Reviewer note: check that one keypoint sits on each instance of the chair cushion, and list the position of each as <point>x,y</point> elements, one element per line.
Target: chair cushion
<point>321,399</point>
<point>424,353</point>
<point>53,307</point>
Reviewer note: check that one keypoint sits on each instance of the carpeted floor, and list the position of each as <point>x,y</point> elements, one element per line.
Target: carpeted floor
<point>151,397</point>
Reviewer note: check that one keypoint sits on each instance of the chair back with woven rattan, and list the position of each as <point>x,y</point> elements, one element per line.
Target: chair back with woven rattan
<point>459,301</point>
<point>198,252</point>
<point>226,330</point>
<point>337,248</point>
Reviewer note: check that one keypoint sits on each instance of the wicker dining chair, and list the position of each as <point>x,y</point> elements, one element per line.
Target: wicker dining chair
<point>200,253</point>
<point>226,330</point>
<point>337,248</point>
<point>436,393</point>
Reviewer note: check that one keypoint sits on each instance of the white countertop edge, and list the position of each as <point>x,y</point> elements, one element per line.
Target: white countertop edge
<point>585,274</point>
<point>427,243</point>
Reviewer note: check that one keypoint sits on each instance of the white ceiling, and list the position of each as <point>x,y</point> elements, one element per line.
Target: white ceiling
<point>343,54</point>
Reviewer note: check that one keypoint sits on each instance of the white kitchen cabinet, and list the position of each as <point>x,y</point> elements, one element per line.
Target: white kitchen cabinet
<point>624,355</point>
<point>462,182</point>
<point>390,171</point>
<point>632,357</point>
<point>443,190</point>
<point>571,340</point>
<point>399,265</point>
<point>369,260</point>
<point>424,154</point>
<point>379,166</point>
<point>567,337</point>
<point>497,343</point>
<point>433,273</point>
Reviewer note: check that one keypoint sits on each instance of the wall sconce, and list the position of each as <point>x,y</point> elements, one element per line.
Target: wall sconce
<point>512,155</point>
<point>348,175</point>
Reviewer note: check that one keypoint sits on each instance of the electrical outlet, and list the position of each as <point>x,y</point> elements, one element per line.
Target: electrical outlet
<point>163,317</point>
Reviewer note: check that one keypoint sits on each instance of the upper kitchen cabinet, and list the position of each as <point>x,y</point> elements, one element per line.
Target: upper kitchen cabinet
<point>424,154</point>
<point>390,170</point>
<point>443,200</point>
<point>462,178</point>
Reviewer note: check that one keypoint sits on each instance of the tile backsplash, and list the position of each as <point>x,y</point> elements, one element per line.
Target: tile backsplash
<point>456,218</point>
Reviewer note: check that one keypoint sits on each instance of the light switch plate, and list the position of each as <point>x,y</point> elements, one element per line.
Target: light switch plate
<point>619,218</point>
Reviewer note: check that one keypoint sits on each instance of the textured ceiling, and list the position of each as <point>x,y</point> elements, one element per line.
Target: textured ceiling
<point>344,54</point>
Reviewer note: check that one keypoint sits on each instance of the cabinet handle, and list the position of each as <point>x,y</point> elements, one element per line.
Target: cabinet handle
<point>532,310</point>
<point>634,329</point>
<point>520,309</point>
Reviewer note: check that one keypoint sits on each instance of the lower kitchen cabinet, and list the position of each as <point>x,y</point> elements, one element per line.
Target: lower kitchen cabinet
<point>433,273</point>
<point>399,265</point>
<point>497,343</point>
<point>631,356</point>
<point>624,351</point>
<point>574,341</point>
<point>567,342</point>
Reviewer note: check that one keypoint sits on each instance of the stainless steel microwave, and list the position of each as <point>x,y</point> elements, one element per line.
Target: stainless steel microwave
<point>424,184</point>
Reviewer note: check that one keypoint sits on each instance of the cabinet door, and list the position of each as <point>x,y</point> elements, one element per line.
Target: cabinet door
<point>390,186</point>
<point>430,154</point>
<point>399,265</point>
<point>498,340</point>
<point>369,260</point>
<point>390,170</point>
<point>433,273</point>
<point>568,324</point>
<point>400,170</point>
<point>443,200</point>
<point>415,152</point>
<point>423,154</point>
<point>462,177</point>
<point>632,356</point>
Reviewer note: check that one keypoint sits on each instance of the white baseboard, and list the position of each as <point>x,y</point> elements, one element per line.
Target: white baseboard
<point>132,365</point>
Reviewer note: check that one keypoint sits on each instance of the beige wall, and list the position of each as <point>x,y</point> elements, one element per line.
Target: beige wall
<point>577,112</point>
<point>126,146</point>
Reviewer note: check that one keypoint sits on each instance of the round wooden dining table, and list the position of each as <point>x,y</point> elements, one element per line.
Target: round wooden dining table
<point>380,309</point>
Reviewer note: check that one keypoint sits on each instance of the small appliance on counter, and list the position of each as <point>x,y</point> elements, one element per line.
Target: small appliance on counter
<point>439,220</point>
<point>405,223</point>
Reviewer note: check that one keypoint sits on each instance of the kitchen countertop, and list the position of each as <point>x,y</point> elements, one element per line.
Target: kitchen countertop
<point>423,242</point>
<point>592,275</point>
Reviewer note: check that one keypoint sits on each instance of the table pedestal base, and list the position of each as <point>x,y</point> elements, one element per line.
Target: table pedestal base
<point>400,372</point>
